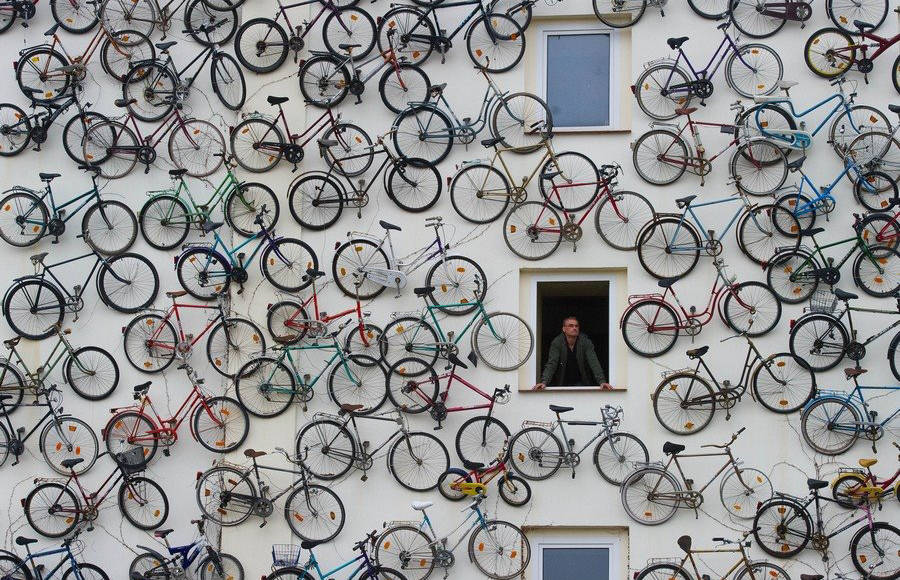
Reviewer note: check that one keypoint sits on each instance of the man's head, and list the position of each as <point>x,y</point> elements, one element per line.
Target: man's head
<point>570,327</point>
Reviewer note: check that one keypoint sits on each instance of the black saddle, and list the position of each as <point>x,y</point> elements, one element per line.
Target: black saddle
<point>550,175</point>
<point>93,168</point>
<point>6,397</point>
<point>48,176</point>
<point>23,541</point>
<point>313,273</point>
<point>667,282</point>
<point>162,533</point>
<point>560,408</point>
<point>724,25</point>
<point>389,226</point>
<point>72,462</point>
<point>472,464</point>
<point>894,108</point>
<point>438,89</point>
<point>683,202</point>
<point>677,42</point>
<point>456,362</point>
<point>423,291</point>
<point>177,172</point>
<point>816,483</point>
<point>327,142</point>
<point>844,295</point>
<point>491,142</point>
<point>121,103</point>
<point>348,47</point>
<point>811,577</point>
<point>209,226</point>
<point>863,25</point>
<point>164,46</point>
<point>697,352</point>
<point>309,544</point>
<point>811,231</point>
<point>277,100</point>
<point>12,341</point>
<point>796,163</point>
<point>143,387</point>
<point>670,448</point>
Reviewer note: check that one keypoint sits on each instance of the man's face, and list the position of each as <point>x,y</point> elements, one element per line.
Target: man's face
<point>571,328</point>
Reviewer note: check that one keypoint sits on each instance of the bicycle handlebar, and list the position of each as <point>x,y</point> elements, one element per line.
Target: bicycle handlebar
<point>734,437</point>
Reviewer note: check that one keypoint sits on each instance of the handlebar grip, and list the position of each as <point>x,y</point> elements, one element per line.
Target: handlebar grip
<point>719,540</point>
<point>741,430</point>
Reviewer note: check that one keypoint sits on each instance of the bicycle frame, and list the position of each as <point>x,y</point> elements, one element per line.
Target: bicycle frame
<point>443,395</point>
<point>480,313</point>
<point>689,210</point>
<point>226,186</point>
<point>36,377</point>
<point>725,47</point>
<point>68,558</point>
<point>673,458</point>
<point>841,103</point>
<point>306,381</point>
<point>837,264</point>
<point>181,337</point>
<point>703,160</point>
<point>95,499</point>
<point>84,58</point>
<point>560,424</point>
<point>294,322</point>
<point>88,196</point>
<point>414,260</point>
<point>264,238</point>
<point>491,94</point>
<point>187,554</point>
<point>515,190</point>
<point>883,43</point>
<point>477,9</point>
<point>379,417</point>
<point>743,561</point>
<point>857,400</point>
<point>51,412</point>
<point>365,564</point>
<point>166,426</point>
<point>153,139</point>
<point>426,527</point>
<point>327,5</point>
<point>48,270</point>
<point>823,195</point>
<point>815,498</point>
<point>263,488</point>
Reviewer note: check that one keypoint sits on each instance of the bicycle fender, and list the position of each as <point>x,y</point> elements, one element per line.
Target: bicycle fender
<point>325,175</point>
<point>19,279</point>
<point>637,303</point>
<point>152,552</point>
<point>464,164</point>
<point>26,51</point>
<point>849,475</point>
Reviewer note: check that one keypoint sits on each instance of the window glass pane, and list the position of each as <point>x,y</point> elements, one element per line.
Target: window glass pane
<point>569,563</point>
<point>578,79</point>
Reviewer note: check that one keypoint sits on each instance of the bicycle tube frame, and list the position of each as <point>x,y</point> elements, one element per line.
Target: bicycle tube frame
<point>325,367</point>
<point>689,557</point>
<point>61,286</point>
<point>446,393</point>
<point>326,6</point>
<point>704,73</point>
<point>479,8</point>
<point>87,196</point>
<point>725,453</point>
<point>175,310</point>
<point>883,42</point>
<point>37,425</point>
<point>859,391</point>
<point>479,313</point>
<point>604,430</point>
<point>479,521</point>
<point>97,498</point>
<point>314,564</point>
<point>422,256</point>
<point>681,131</point>
<point>689,210</point>
<point>187,554</point>
<point>295,483</point>
<point>841,103</point>
<point>399,431</point>
<point>32,558</point>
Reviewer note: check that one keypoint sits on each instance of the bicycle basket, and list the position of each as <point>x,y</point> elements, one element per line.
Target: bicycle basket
<point>131,461</point>
<point>284,555</point>
<point>823,301</point>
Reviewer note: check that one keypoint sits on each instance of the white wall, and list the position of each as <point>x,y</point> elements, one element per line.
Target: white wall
<point>772,442</point>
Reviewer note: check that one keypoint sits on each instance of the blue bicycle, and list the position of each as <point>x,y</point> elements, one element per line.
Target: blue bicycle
<point>14,567</point>
<point>211,564</point>
<point>287,566</point>
<point>833,421</point>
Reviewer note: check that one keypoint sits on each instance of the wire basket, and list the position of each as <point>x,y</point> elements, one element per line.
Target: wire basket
<point>284,555</point>
<point>823,301</point>
<point>132,460</point>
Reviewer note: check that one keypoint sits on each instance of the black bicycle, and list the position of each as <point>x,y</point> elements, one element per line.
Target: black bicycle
<point>10,10</point>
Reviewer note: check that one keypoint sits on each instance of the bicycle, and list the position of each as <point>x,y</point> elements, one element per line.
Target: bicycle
<point>653,486</point>
<point>152,341</point>
<point>514,490</point>
<point>90,371</point>
<point>115,147</point>
<point>750,69</point>
<point>880,229</point>
<point>34,304</point>
<point>414,387</point>
<point>229,494</point>
<point>669,245</point>
<point>878,149</point>
<point>147,15</point>
<point>762,18</point>
<point>317,198</point>
<point>166,220</point>
<point>833,421</point>
<point>262,44</point>
<point>493,41</point>
<point>626,13</point>
<point>498,548</point>
<point>844,12</point>
<point>455,279</point>
<point>258,144</point>
<point>784,526</point>
<point>12,9</point>
<point>205,270</point>
<point>53,508</point>
<point>541,448</point>
<point>684,402</point>
<point>661,156</point>
<point>830,52</point>
<point>153,87</point>
<point>62,437</point>
<point>108,226</point>
<point>743,569</point>
<point>211,563</point>
<point>11,564</point>
<point>427,129</point>
<point>853,486</point>
<point>367,569</point>
<point>415,459</point>
<point>822,338</point>
<point>325,79</point>
<point>220,424</point>
<point>651,324</point>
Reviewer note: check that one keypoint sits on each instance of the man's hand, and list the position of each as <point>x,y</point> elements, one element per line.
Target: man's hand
<point>606,386</point>
<point>538,387</point>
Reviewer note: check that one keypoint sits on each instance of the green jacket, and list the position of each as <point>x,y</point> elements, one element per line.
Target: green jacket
<point>555,367</point>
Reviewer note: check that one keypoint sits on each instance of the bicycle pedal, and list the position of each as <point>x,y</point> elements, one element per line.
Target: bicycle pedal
<point>689,483</point>
<point>704,577</point>
<point>167,453</point>
<point>467,120</point>
<point>571,443</point>
<point>364,477</point>
<point>263,524</point>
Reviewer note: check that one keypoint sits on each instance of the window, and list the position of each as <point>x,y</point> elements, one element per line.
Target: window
<point>563,554</point>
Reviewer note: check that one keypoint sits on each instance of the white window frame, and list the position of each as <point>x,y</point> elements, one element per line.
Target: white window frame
<point>615,38</point>
<point>613,335</point>
<point>550,539</point>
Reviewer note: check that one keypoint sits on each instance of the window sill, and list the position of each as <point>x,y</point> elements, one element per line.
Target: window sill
<point>577,130</point>
<point>564,389</point>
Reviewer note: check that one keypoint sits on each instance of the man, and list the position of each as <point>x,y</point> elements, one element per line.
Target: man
<point>572,360</point>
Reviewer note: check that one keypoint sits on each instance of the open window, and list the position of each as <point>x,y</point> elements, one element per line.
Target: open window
<point>567,553</point>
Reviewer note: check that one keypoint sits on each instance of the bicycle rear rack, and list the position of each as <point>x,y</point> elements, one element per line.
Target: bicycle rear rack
<point>668,373</point>
<point>638,297</point>
<point>542,424</point>
<point>395,523</point>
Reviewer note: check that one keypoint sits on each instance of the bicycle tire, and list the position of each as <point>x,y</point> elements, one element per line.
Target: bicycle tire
<point>218,485</point>
<point>174,222</point>
<point>793,384</point>
<point>38,328</point>
<point>896,76</point>
<point>876,151</point>
<point>480,204</point>
<point>360,30</point>
<point>348,260</point>
<point>405,181</point>
<point>573,167</point>
<point>877,229</point>
<point>151,85</point>
<point>129,489</point>
<point>778,511</point>
<point>447,483</point>
<point>194,136</point>
<point>73,427</point>
<point>34,83</point>
<point>656,235</point>
<point>242,206</point>
<point>228,82</point>
<point>132,46</point>
<point>243,342</point>
<point>847,489</point>
<point>514,490</point>
<point>642,156</point>
<point>651,101</point>
<point>765,301</point>
<point>289,573</point>
<point>101,236</point>
<point>125,423</point>
<point>199,13</point>
<point>18,130</point>
<point>683,423</point>
<point>356,144</point>
<point>58,491</point>
<point>75,131</point>
<point>412,385</point>
<point>489,435</point>
<point>507,35</point>
<point>522,122</point>
<point>101,358</point>
<point>269,55</point>
<point>533,230</point>
<point>759,84</point>
<point>409,549</point>
<point>761,166</point>
<point>844,15</point>
<point>309,447</point>
<point>209,282</point>
<point>828,325</point>
<point>447,276</point>
<point>364,340</point>
<point>142,16</point>
<point>143,355</point>
<point>667,571</point>
<point>324,81</point>
<point>13,387</point>
<point>620,216</point>
<point>21,209</point>
<point>880,197</point>
<point>346,387</point>
<point>309,207</point>
<point>742,502</point>
<point>112,146</point>
<point>97,573</point>
<point>417,139</point>
<point>153,566</point>
<point>402,336</point>
<point>762,570</point>
<point>403,84</point>
<point>296,257</point>
<point>75,22</point>
<point>751,22</point>
<point>277,317</point>
<point>520,332</point>
<point>635,318</point>
<point>423,463</point>
<point>877,277</point>
<point>625,463</point>
<point>261,402</point>
<point>850,123</point>
<point>709,9</point>
<point>840,406</point>
<point>515,564</point>
<point>533,452</point>
<point>627,17</point>
<point>218,565</point>
<point>298,520</point>
<point>230,411</point>
<point>406,20</point>
<point>228,5</point>
<point>823,49</point>
<point>895,363</point>
<point>142,282</point>
<point>647,516</point>
<point>761,219</point>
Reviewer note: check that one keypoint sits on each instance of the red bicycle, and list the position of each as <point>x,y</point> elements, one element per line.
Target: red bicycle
<point>853,486</point>
<point>220,424</point>
<point>513,489</point>
<point>881,229</point>
<point>651,322</point>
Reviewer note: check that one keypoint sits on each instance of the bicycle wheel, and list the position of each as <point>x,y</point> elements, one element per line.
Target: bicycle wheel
<point>412,385</point>
<point>514,490</point>
<point>402,84</point>
<point>449,481</point>
<point>830,425</point>
<point>684,403</point>
<point>15,130</point>
<point>353,154</point>
<point>130,430</point>
<point>619,454</point>
<point>198,147</point>
<point>221,424</point>
<point>232,343</point>
<point>480,193</point>
<point>128,283</point>
<point>52,510</point>
<point>844,12</point>
<point>495,43</point>
<point>423,132</point>
<point>655,98</point>
<point>257,144</point>
<point>358,380</point>
<point>285,262</point>
<point>226,495</point>
<point>878,276</point>
<point>143,503</point>
<point>109,227</point>
<point>660,156</point>
<point>150,342</point>
<point>894,360</point>
<point>92,373</point>
<point>758,236</point>
<point>228,82</point>
<point>243,205</point>
<point>349,26</point>
<point>329,448</point>
<point>619,13</point>
<point>413,34</point>
<point>153,566</point>
<point>286,321</point>
<point>830,52</point>
<point>351,262</point>
<point>794,213</point>
<point>364,340</point>
<point>743,489</point>
<point>620,216</point>
<point>753,308</point>
<point>819,339</point>
<point>522,121</point>
<point>456,280</point>
<point>149,88</point>
<point>535,453</point>
<point>39,74</point>
<point>504,341</point>
<point>499,549</point>
<point>876,191</point>
<point>203,273</point>
<point>74,132</point>
<point>209,26</point>
<point>324,81</point>
<point>261,45</point>
<point>123,50</point>
<point>13,386</point>
<point>532,230</point>
<point>406,548</point>
<point>853,122</point>
<point>480,440</point>
<point>783,383</point>
<point>414,184</point>
<point>749,19</point>
<point>876,151</point>
<point>409,336</point>
<point>316,201</point>
<point>668,247</point>
<point>518,10</point>
<point>761,167</point>
<point>578,185</point>
<point>266,387</point>
<point>314,513</point>
<point>650,328</point>
<point>112,146</point>
<point>75,16</point>
<point>756,72</point>
<point>762,570</point>
<point>650,495</point>
<point>32,307</point>
<point>139,15</point>
<point>875,551</point>
<point>663,572</point>
<point>219,566</point>
<point>417,460</point>
<point>23,218</point>
<point>782,527</point>
<point>68,438</point>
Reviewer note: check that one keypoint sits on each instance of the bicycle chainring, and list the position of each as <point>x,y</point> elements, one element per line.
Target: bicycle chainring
<point>263,508</point>
<point>26,10</point>
<point>89,513</point>
<point>855,351</point>
<point>464,135</point>
<point>819,542</point>
<point>146,155</point>
<point>444,558</point>
<point>56,227</point>
<point>873,431</point>
<point>702,88</point>
<point>438,411</point>
<point>519,195</point>
<point>364,463</point>
<point>357,87</point>
<point>693,500</point>
<point>295,43</point>
<point>293,154</point>
<point>830,276</point>
<point>699,166</point>
<point>693,327</point>
<point>182,91</point>
<point>727,399</point>
<point>572,459</point>
<point>74,304</point>
<point>38,134</point>
<point>713,247</point>
<point>571,231</point>
<point>239,274</point>
<point>864,65</point>
<point>502,398</point>
<point>360,200</point>
<point>445,349</point>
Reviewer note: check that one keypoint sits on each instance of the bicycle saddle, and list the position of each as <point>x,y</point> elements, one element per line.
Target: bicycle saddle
<point>143,387</point>
<point>456,361</point>
<point>697,352</point>
<point>164,46</point>
<point>7,397</point>
<point>867,462</point>
<point>438,89</point>
<point>124,102</point>
<point>350,408</point>
<point>472,464</point>
<point>785,84</point>
<point>724,25</point>
<point>209,226</point>
<point>313,273</point>
<point>685,110</point>
<point>670,448</point>
<point>811,577</point>
<point>677,42</point>
<point>310,544</point>
<point>162,533</point>
<point>682,202</point>
<point>854,372</point>
<point>550,174</point>
<point>70,463</point>
<point>863,25</point>
<point>48,176</point>
<point>176,294</point>
<point>38,258</point>
<point>12,341</point>
<point>177,172</point>
<point>94,168</point>
<point>348,47</point>
<point>389,226</point>
<point>421,505</point>
<point>894,108</point>
<point>52,30</point>
<point>491,142</point>
<point>844,295</point>
<point>424,291</point>
<point>811,231</point>
<point>23,541</point>
<point>252,453</point>
<point>667,282</point>
<point>277,100</point>
<point>560,409</point>
<point>327,142</point>
<point>684,542</point>
<point>796,163</point>
<point>816,483</point>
